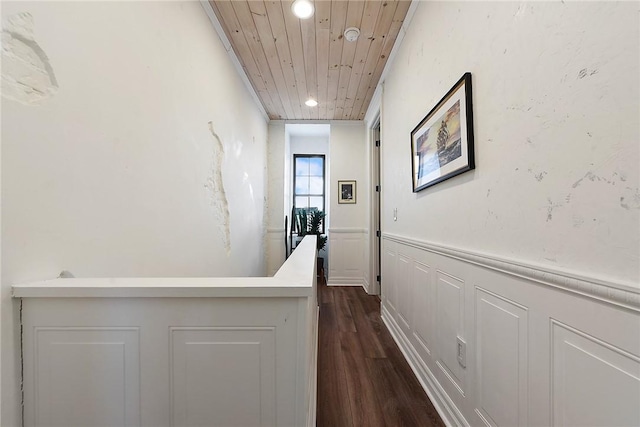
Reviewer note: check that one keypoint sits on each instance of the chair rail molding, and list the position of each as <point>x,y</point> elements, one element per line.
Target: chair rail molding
<point>602,290</point>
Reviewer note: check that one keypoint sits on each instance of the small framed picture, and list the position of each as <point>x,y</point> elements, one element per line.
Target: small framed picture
<point>442,144</point>
<point>347,192</point>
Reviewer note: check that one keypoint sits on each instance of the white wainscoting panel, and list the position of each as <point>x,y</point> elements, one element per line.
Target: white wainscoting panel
<point>369,283</point>
<point>403,273</point>
<point>346,257</point>
<point>588,370</point>
<point>537,347</point>
<point>423,309</point>
<point>450,325</point>
<point>97,366</point>
<point>241,358</point>
<point>389,290</point>
<point>502,369</point>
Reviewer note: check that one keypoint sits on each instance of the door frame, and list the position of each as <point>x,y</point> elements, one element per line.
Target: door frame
<point>375,211</point>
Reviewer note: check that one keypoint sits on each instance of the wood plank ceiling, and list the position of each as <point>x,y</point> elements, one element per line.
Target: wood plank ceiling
<point>289,60</point>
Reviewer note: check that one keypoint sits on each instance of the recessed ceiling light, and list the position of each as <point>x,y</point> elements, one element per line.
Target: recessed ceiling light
<point>311,102</point>
<point>303,9</point>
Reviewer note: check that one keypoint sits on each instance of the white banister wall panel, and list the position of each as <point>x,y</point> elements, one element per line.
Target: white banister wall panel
<point>537,349</point>
<point>230,358</point>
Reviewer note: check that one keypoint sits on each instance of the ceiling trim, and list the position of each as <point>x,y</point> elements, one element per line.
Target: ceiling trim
<point>234,58</point>
<point>376,99</point>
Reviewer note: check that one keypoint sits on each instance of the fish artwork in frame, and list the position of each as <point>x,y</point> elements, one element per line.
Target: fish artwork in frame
<point>442,143</point>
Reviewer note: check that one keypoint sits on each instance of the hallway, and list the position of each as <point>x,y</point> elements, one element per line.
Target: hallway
<point>363,378</point>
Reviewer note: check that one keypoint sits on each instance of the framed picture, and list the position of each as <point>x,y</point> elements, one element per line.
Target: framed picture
<point>442,143</point>
<point>347,192</point>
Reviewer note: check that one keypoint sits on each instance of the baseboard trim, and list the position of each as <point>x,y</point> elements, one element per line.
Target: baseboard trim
<point>366,286</point>
<point>447,410</point>
<point>345,281</point>
<point>617,294</point>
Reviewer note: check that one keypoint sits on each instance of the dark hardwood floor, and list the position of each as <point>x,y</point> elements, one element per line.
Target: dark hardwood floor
<point>363,378</point>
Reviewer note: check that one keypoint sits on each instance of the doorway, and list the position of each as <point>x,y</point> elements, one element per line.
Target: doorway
<point>376,205</point>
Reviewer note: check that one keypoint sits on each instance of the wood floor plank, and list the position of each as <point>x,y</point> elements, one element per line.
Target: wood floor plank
<point>395,407</point>
<point>365,407</point>
<point>363,378</point>
<point>333,407</point>
<point>343,311</point>
<point>325,296</point>
<point>367,334</point>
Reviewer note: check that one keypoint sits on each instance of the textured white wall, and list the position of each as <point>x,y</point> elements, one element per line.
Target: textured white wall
<point>349,162</point>
<point>120,172</point>
<point>276,200</point>
<point>555,96</point>
<point>348,221</point>
<point>276,171</point>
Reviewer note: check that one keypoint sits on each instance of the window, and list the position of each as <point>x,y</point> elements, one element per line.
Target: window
<point>308,182</point>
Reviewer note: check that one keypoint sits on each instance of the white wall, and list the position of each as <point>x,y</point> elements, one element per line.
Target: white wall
<point>276,198</point>
<point>118,173</point>
<point>349,222</point>
<point>349,162</point>
<point>532,259</point>
<point>555,100</point>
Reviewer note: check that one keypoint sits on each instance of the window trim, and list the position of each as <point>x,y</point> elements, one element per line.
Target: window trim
<point>324,182</point>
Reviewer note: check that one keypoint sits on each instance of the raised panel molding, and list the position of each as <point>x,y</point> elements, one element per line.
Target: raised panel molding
<point>423,322</point>
<point>389,282</point>
<point>241,358</point>
<point>403,274</point>
<point>592,382</point>
<point>502,364</point>
<point>449,324</point>
<point>346,257</point>
<point>98,366</point>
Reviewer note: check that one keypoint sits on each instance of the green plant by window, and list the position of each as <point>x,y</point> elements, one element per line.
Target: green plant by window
<point>311,222</point>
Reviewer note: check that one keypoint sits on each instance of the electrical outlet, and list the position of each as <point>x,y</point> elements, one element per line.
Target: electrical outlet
<point>462,352</point>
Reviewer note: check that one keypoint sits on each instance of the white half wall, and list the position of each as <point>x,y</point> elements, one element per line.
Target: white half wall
<point>556,112</point>
<point>148,160</point>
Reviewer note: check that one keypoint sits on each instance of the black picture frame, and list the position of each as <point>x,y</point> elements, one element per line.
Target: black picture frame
<point>442,143</point>
<point>347,192</point>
